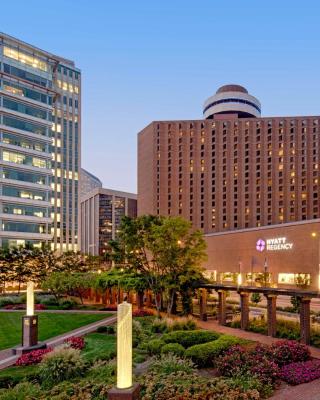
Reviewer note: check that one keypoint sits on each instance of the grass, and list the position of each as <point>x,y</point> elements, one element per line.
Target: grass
<point>99,346</point>
<point>50,325</point>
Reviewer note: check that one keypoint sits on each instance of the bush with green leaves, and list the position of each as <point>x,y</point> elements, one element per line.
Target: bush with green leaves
<point>22,391</point>
<point>154,346</point>
<point>63,363</point>
<point>109,329</point>
<point>173,348</point>
<point>6,300</point>
<point>67,304</point>
<point>162,325</point>
<point>169,363</point>
<point>190,386</point>
<point>205,355</point>
<point>255,298</point>
<point>190,338</point>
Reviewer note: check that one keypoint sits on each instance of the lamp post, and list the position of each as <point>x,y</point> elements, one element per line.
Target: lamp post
<point>124,390</point>
<point>29,325</point>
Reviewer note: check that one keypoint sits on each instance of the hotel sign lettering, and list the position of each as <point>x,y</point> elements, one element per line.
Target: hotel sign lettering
<point>274,244</point>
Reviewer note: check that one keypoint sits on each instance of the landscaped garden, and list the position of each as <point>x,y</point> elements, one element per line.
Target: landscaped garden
<point>173,360</point>
<point>50,325</point>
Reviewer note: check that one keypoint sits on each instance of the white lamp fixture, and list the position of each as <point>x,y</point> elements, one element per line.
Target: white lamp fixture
<point>124,346</point>
<point>30,299</point>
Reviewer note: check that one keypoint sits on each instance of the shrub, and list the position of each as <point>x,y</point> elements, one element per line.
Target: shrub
<point>75,342</point>
<point>190,338</point>
<point>301,372</point>
<point>34,357</point>
<point>170,324</point>
<point>7,300</point>
<point>9,379</point>
<point>251,383</point>
<point>49,301</point>
<point>159,326</point>
<point>67,304</point>
<point>142,313</point>
<point>190,386</point>
<point>256,298</point>
<point>154,346</point>
<point>289,351</point>
<point>205,355</point>
<point>169,363</point>
<point>238,361</point>
<point>63,363</point>
<point>109,329</point>
<point>22,391</point>
<point>174,348</point>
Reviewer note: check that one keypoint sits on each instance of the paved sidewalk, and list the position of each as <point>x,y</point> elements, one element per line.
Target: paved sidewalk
<point>213,325</point>
<point>7,359</point>
<point>306,391</point>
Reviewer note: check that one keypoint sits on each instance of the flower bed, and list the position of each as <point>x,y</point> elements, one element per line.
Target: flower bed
<point>34,357</point>
<point>75,342</point>
<point>37,307</point>
<point>301,372</point>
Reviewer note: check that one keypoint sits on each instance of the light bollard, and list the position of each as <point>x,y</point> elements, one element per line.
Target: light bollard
<point>124,346</point>
<point>124,389</point>
<point>30,299</point>
<point>29,326</point>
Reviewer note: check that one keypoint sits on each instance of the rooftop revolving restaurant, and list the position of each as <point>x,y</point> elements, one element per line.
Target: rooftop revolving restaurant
<point>282,256</point>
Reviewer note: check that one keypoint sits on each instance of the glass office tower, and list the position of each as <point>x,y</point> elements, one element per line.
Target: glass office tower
<point>39,147</point>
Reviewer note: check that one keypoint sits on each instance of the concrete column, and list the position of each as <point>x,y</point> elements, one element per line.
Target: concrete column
<point>222,314</point>
<point>272,314</point>
<point>203,305</point>
<point>305,320</point>
<point>244,305</point>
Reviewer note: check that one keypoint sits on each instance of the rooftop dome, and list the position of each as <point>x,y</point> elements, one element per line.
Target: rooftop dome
<point>232,99</point>
<point>232,88</point>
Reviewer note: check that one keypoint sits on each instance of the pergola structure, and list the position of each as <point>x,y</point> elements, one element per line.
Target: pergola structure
<point>271,295</point>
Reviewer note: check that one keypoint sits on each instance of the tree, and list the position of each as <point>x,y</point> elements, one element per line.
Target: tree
<point>165,251</point>
<point>73,262</point>
<point>179,252</point>
<point>57,283</point>
<point>22,265</point>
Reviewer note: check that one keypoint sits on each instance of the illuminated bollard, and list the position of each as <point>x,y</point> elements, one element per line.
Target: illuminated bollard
<point>124,389</point>
<point>29,326</point>
<point>30,299</point>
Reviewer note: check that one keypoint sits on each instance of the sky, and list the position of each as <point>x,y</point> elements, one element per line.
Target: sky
<point>146,60</point>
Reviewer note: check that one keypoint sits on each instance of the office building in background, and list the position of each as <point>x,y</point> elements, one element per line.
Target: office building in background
<point>40,131</point>
<point>88,182</point>
<point>100,218</point>
<point>244,180</point>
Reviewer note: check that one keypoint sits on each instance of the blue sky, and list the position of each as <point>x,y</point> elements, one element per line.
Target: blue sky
<point>152,60</point>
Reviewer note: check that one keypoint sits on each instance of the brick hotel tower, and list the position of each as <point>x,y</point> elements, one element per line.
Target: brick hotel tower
<point>233,169</point>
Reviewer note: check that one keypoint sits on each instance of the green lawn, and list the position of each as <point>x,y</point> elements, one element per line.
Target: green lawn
<point>99,346</point>
<point>50,325</point>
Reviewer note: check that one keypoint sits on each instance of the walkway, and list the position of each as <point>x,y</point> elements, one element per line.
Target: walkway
<point>7,359</point>
<point>257,337</point>
<point>306,391</point>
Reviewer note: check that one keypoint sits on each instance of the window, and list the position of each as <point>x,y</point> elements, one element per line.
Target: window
<point>24,58</point>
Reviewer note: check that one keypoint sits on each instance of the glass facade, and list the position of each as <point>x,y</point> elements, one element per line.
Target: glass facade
<point>39,146</point>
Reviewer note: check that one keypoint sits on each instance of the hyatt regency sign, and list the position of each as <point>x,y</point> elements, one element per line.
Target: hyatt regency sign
<point>273,244</point>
